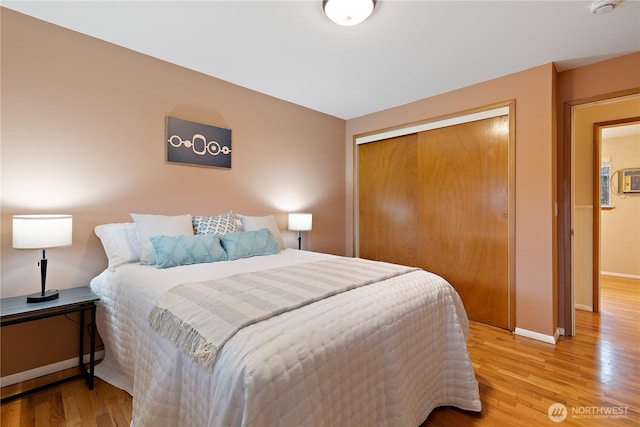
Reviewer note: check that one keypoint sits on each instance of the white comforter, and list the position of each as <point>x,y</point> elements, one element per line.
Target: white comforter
<point>385,354</point>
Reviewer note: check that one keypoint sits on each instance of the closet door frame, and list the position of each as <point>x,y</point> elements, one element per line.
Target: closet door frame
<point>500,109</point>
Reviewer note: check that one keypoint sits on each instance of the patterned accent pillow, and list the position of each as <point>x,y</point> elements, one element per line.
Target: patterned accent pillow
<point>172,251</point>
<point>215,225</point>
<point>245,244</point>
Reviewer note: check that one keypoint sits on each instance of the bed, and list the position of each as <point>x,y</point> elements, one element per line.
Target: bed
<point>381,353</point>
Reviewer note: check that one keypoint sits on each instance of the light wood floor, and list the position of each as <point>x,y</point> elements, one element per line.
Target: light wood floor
<point>598,368</point>
<point>519,377</point>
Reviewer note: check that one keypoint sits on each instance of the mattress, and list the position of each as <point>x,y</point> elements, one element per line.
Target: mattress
<point>383,354</point>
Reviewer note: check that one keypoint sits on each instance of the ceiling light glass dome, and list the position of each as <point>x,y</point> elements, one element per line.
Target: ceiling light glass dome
<point>348,12</point>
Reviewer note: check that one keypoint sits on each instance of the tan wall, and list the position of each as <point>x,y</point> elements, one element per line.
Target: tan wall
<point>535,138</point>
<point>620,227</point>
<point>83,129</point>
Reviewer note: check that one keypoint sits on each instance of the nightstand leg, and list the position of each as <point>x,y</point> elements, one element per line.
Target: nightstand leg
<point>81,352</point>
<point>92,344</point>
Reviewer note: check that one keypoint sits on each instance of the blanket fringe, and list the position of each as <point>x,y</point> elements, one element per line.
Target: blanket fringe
<point>184,336</point>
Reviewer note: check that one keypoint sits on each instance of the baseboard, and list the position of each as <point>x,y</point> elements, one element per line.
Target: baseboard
<point>626,276</point>
<point>549,339</point>
<point>46,370</point>
<point>584,307</point>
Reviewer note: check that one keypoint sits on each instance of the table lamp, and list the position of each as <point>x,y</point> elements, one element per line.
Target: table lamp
<point>300,222</point>
<point>42,232</point>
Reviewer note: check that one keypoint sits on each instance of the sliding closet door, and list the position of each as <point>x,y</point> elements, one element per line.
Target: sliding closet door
<point>387,200</point>
<point>463,225</point>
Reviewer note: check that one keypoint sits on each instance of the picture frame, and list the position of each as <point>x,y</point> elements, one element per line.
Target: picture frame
<point>199,144</point>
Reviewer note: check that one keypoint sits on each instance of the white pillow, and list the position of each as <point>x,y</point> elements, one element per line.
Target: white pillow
<point>252,223</point>
<point>120,243</point>
<point>159,225</point>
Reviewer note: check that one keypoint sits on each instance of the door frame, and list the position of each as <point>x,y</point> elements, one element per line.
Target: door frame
<point>489,111</point>
<point>566,183</point>
<point>597,208</point>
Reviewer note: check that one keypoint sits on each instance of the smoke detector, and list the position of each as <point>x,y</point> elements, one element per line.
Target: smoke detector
<point>600,7</point>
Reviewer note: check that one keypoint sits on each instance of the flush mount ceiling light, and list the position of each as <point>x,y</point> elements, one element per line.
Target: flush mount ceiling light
<point>348,12</point>
<point>600,7</point>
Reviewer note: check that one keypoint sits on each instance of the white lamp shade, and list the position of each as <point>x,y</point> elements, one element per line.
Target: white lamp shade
<point>300,221</point>
<point>42,231</point>
<point>348,12</point>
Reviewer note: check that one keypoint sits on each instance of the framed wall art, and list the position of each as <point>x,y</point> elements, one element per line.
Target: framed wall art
<point>197,144</point>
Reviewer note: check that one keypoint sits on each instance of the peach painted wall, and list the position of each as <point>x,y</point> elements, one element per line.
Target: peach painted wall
<point>83,130</point>
<point>595,80</point>
<point>533,92</point>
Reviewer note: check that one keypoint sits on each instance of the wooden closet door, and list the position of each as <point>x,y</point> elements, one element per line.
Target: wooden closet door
<point>463,226</point>
<point>387,200</point>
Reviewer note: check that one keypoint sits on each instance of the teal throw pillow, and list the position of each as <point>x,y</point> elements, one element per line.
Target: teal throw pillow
<point>246,244</point>
<point>172,251</point>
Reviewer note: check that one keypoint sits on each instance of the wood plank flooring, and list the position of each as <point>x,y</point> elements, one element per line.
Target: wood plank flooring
<point>591,374</point>
<point>596,370</point>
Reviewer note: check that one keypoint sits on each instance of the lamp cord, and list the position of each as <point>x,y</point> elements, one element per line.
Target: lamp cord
<point>88,326</point>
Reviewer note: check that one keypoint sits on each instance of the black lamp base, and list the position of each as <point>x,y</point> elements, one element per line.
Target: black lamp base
<point>40,297</point>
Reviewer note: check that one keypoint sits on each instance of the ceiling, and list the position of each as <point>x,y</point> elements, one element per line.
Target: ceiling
<point>621,131</point>
<point>406,50</point>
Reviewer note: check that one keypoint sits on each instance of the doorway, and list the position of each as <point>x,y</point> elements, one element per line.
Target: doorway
<point>584,237</point>
<point>617,217</point>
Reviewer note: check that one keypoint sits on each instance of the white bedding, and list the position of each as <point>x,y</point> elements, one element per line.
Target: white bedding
<point>385,354</point>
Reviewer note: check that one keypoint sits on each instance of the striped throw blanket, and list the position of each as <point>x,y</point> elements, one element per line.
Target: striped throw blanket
<point>199,318</point>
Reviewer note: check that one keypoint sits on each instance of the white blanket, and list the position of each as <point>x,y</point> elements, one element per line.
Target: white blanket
<point>199,318</point>
<point>384,354</point>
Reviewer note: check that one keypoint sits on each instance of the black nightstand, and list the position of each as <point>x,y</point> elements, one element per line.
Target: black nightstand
<point>75,300</point>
